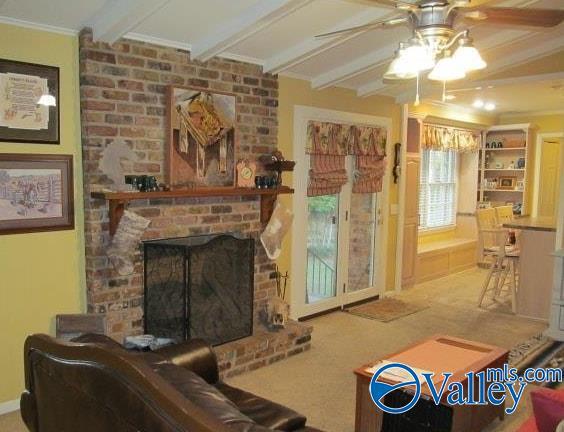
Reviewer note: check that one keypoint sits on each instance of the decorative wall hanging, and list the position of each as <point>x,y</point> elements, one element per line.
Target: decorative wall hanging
<point>36,193</point>
<point>201,137</point>
<point>442,138</point>
<point>29,102</point>
<point>328,144</point>
<point>123,248</point>
<point>278,226</point>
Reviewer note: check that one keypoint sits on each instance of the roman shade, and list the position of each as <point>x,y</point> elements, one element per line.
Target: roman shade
<point>328,144</point>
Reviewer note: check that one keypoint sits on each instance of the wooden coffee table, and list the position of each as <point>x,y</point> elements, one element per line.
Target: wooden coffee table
<point>436,354</point>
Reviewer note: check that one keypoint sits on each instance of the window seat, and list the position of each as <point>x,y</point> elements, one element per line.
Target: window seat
<point>443,257</point>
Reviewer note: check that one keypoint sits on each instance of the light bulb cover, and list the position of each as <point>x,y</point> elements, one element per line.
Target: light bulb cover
<point>400,69</point>
<point>419,56</point>
<point>47,100</point>
<point>478,103</point>
<point>447,69</point>
<point>469,58</point>
<point>490,106</point>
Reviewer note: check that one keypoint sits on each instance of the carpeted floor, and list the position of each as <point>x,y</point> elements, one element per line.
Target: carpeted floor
<point>320,383</point>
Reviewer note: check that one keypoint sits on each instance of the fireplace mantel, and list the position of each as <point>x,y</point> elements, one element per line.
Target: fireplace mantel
<point>118,200</point>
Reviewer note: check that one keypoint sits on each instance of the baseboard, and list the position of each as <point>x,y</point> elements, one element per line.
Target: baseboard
<point>10,406</point>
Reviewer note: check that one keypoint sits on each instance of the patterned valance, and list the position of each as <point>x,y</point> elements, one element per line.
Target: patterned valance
<point>444,138</point>
<point>329,143</point>
<point>337,139</point>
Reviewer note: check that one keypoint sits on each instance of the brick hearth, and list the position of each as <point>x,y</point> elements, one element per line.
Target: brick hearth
<point>122,90</point>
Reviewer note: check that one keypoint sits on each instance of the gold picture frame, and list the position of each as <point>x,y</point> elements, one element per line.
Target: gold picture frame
<point>506,183</point>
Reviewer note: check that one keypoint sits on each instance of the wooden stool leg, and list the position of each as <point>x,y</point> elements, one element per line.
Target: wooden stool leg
<point>513,287</point>
<point>486,283</point>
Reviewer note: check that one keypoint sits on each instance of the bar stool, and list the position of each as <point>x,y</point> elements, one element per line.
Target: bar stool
<point>503,259</point>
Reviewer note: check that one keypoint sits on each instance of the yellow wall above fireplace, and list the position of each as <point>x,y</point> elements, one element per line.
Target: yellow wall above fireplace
<point>41,274</point>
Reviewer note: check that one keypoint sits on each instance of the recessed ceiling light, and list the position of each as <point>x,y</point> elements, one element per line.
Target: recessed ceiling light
<point>478,103</point>
<point>490,106</point>
<point>450,97</point>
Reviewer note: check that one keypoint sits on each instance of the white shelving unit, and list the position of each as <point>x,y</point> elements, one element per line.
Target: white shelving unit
<point>495,163</point>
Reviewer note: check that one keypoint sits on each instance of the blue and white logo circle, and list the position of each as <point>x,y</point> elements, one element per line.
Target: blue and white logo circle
<point>378,389</point>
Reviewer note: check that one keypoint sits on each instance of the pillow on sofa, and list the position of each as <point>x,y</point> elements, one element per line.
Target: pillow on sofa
<point>207,397</point>
<point>548,407</point>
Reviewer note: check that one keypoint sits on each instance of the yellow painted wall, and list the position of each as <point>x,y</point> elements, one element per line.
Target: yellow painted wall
<point>294,92</point>
<point>41,274</point>
<point>544,123</point>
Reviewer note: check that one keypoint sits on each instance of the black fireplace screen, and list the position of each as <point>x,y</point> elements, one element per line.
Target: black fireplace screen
<point>199,287</point>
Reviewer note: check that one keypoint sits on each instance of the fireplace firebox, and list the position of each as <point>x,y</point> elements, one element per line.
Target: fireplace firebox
<point>199,287</point>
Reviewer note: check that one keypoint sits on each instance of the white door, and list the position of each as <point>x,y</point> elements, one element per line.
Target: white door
<point>338,241</point>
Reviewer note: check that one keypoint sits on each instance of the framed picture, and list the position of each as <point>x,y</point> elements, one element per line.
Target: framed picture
<point>29,102</point>
<point>506,183</point>
<point>201,137</point>
<point>36,193</point>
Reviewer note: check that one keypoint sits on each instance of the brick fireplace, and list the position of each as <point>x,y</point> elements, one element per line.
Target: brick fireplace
<point>122,91</point>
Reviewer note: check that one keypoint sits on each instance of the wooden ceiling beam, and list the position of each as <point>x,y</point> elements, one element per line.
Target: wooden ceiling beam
<point>312,46</point>
<point>249,22</point>
<point>118,17</point>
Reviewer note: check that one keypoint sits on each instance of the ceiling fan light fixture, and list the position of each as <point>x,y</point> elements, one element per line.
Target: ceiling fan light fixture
<point>447,69</point>
<point>47,100</point>
<point>418,55</point>
<point>468,56</point>
<point>400,69</point>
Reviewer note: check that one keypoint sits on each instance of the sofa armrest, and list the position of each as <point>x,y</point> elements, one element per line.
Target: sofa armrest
<point>195,355</point>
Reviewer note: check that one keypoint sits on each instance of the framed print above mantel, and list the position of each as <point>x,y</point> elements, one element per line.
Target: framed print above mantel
<point>29,103</point>
<point>36,193</point>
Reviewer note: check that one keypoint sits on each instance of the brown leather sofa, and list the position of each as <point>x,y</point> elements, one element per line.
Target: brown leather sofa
<point>94,385</point>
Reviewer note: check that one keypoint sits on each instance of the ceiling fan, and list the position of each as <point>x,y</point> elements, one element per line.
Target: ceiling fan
<point>435,45</point>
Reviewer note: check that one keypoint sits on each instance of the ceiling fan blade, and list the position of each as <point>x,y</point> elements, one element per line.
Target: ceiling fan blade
<point>400,4</point>
<point>516,16</point>
<point>387,23</point>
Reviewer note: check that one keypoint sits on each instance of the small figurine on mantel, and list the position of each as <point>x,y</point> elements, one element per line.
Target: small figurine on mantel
<point>276,162</point>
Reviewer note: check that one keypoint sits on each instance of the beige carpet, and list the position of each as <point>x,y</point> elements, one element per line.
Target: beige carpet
<point>320,383</point>
<point>387,309</point>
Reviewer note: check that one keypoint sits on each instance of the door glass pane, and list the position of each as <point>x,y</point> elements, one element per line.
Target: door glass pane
<point>323,224</point>
<point>361,241</point>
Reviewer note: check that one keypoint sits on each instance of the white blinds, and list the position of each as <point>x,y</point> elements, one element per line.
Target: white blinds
<point>437,191</point>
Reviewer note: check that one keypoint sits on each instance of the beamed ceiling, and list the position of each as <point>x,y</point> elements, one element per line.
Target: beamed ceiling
<point>279,35</point>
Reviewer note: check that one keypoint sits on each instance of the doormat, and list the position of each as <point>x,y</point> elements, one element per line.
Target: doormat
<point>387,309</point>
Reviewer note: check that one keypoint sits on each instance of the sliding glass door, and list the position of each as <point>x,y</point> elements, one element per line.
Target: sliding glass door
<point>338,245</point>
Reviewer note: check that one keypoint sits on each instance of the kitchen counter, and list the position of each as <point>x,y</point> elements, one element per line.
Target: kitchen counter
<point>532,223</point>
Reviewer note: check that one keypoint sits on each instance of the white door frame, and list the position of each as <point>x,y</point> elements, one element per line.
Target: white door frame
<point>541,137</point>
<point>302,115</point>
<point>401,199</point>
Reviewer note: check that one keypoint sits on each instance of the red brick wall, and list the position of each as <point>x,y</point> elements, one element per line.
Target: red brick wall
<point>122,94</point>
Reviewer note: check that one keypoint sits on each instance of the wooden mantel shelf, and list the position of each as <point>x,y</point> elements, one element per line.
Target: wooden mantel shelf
<point>118,200</point>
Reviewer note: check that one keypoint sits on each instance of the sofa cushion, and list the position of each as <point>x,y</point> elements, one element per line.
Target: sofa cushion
<point>200,393</point>
<point>548,408</point>
<point>263,411</point>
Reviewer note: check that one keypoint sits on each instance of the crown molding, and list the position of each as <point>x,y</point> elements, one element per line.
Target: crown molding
<point>530,113</point>
<point>37,26</point>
